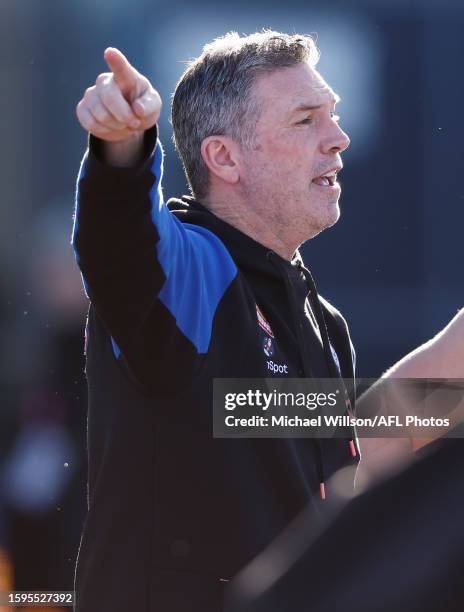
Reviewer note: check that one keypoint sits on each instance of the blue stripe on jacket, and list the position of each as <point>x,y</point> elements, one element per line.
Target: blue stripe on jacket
<point>195,262</point>
<point>197,266</point>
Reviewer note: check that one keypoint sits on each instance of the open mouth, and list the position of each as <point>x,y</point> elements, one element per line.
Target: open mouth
<point>326,180</point>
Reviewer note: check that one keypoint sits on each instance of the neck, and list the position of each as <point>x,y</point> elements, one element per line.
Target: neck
<point>249,221</point>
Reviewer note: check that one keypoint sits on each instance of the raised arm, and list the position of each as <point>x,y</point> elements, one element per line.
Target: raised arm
<point>154,283</point>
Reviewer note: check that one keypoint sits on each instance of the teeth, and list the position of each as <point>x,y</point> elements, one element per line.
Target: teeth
<point>322,180</point>
<point>326,180</point>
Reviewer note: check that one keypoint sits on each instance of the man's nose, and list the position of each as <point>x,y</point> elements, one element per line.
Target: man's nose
<point>337,141</point>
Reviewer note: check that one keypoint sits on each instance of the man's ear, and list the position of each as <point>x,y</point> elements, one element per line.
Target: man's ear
<point>222,156</point>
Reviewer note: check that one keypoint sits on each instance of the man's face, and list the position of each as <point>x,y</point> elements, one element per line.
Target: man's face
<point>297,141</point>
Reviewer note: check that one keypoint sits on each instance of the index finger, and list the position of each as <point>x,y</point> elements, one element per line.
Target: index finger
<point>124,73</point>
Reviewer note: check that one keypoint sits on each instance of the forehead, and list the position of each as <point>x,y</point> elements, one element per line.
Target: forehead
<point>290,87</point>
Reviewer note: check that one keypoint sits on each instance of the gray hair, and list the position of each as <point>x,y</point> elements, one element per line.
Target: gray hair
<point>214,94</point>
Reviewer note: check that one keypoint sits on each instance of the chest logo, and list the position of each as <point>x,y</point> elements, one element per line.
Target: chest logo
<point>268,346</point>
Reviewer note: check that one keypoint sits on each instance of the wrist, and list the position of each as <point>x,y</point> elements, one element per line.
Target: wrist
<point>124,154</point>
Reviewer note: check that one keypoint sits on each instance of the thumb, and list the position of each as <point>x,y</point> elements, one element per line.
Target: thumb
<point>148,105</point>
<point>124,73</point>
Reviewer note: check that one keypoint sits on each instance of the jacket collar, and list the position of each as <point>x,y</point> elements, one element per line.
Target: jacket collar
<point>245,251</point>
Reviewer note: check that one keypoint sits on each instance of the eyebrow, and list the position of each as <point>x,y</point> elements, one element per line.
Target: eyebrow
<point>307,107</point>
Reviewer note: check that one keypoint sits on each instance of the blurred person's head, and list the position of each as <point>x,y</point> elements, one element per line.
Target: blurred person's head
<point>255,127</point>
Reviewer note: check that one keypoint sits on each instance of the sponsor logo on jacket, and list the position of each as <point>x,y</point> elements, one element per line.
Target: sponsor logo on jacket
<point>269,345</point>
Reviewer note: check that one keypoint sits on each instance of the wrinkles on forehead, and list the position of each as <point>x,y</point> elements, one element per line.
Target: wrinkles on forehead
<point>305,103</point>
<point>285,90</point>
<point>312,93</point>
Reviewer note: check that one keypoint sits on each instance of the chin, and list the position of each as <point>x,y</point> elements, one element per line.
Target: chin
<point>324,215</point>
<point>334,213</point>
<point>324,222</point>
<point>330,216</point>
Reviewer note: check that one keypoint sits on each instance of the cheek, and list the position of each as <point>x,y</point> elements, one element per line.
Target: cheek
<point>294,155</point>
<point>289,161</point>
<point>282,159</point>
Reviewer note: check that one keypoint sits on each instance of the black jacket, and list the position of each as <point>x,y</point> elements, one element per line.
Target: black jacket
<point>173,511</point>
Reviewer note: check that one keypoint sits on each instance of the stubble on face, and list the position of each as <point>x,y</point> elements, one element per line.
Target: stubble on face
<point>279,168</point>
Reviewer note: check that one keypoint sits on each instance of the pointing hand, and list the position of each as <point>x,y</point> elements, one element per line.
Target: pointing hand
<point>121,103</point>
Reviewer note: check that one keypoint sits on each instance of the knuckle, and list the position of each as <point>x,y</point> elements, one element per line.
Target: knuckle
<point>81,115</point>
<point>91,107</point>
<point>143,80</point>
<point>101,78</point>
<point>99,113</point>
<point>105,95</point>
<point>154,101</point>
<point>108,99</point>
<point>115,109</point>
<point>110,113</point>
<point>104,80</point>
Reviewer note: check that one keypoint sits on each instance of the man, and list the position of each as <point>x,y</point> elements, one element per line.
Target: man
<point>185,293</point>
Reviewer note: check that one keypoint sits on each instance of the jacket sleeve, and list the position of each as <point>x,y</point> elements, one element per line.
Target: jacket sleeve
<point>154,281</point>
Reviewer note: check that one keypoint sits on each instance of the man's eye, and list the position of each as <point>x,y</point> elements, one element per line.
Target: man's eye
<point>306,121</point>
